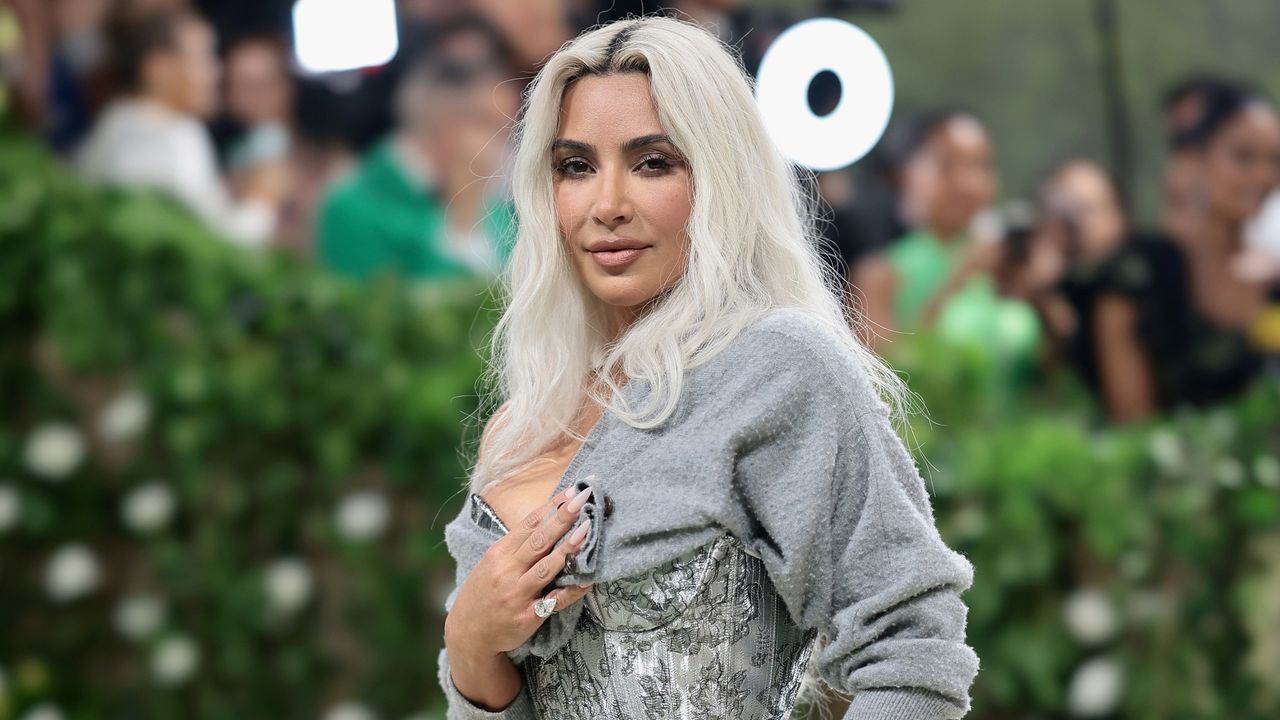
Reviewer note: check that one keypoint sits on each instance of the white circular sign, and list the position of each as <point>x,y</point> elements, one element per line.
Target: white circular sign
<point>849,131</point>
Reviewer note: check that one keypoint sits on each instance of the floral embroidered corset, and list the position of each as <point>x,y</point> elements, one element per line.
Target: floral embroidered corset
<point>702,636</point>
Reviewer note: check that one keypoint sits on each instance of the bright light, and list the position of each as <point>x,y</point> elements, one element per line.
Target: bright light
<point>335,35</point>
<point>855,125</point>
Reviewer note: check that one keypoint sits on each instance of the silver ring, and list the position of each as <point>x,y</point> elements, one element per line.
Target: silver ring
<point>543,607</point>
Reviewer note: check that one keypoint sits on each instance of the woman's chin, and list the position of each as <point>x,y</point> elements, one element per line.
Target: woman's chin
<point>622,291</point>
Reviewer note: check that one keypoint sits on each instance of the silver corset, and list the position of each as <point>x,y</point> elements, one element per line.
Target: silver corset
<point>702,636</point>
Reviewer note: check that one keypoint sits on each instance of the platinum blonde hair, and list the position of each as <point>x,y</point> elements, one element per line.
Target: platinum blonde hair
<point>752,247</point>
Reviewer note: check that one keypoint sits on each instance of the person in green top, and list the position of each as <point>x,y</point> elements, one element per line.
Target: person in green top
<point>941,273</point>
<point>421,202</point>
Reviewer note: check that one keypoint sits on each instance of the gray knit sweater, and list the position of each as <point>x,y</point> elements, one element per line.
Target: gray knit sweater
<point>782,440</point>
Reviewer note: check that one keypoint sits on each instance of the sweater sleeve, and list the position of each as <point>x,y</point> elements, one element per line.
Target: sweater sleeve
<point>460,708</point>
<point>839,514</point>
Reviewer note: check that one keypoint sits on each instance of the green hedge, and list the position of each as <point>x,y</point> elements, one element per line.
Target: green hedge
<point>231,410</point>
<point>223,478</point>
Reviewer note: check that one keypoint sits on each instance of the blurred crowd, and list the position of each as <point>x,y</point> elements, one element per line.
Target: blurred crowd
<point>403,168</point>
<point>1152,319</point>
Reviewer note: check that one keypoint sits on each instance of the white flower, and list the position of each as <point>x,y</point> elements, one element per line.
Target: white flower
<point>148,507</point>
<point>1096,688</point>
<point>137,616</point>
<point>1090,616</point>
<point>1166,450</point>
<point>1266,468</point>
<point>10,507</point>
<point>288,584</point>
<point>54,450</point>
<point>44,711</point>
<point>124,417</point>
<point>1229,472</point>
<point>362,515</point>
<point>72,572</point>
<point>349,710</point>
<point>174,660</point>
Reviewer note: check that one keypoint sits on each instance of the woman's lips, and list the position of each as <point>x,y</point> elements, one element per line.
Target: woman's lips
<point>617,258</point>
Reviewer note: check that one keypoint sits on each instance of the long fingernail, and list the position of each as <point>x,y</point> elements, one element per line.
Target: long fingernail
<point>569,492</point>
<point>579,500</point>
<point>581,533</point>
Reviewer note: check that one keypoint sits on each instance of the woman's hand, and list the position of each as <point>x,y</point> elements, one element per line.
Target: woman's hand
<point>493,610</point>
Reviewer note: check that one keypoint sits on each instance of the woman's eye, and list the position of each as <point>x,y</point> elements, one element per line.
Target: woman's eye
<point>571,166</point>
<point>655,162</point>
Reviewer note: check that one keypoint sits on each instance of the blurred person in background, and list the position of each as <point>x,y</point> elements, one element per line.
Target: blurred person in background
<point>79,73</point>
<point>260,109</point>
<point>1174,317</point>
<point>154,136</point>
<point>426,201</point>
<point>533,29</point>
<point>1059,264</point>
<point>940,274</point>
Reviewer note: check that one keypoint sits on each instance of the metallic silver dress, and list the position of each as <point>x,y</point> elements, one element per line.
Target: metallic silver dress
<point>703,636</point>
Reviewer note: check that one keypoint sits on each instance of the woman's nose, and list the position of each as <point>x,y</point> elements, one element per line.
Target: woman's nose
<point>612,204</point>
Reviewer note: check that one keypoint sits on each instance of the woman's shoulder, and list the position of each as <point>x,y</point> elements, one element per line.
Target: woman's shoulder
<point>796,349</point>
<point>793,332</point>
<point>1148,263</point>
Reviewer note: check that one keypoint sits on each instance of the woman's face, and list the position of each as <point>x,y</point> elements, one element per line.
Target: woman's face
<point>258,85</point>
<point>1241,164</point>
<point>954,175</point>
<point>1087,211</point>
<point>621,183</point>
<point>187,76</point>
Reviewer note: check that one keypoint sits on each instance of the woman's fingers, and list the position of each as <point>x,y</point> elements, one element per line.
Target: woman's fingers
<point>521,531</point>
<point>546,569</point>
<point>541,538</point>
<point>565,596</point>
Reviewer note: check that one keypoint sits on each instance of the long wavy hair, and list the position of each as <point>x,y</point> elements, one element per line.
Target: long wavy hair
<point>753,246</point>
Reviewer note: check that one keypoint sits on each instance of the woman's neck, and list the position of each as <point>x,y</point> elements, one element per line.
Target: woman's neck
<point>1219,238</point>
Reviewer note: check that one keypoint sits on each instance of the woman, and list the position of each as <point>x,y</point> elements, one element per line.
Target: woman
<point>1081,223</point>
<point>745,521</point>
<point>1173,323</point>
<point>939,274</point>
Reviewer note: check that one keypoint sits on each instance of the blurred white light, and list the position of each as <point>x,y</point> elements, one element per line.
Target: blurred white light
<point>137,616</point>
<point>71,572</point>
<point>349,710</point>
<point>44,711</point>
<point>336,35</point>
<point>54,450</point>
<point>855,125</point>
<point>288,584</point>
<point>174,660</point>
<point>1096,688</point>
<point>362,515</point>
<point>125,416</point>
<point>148,507</point>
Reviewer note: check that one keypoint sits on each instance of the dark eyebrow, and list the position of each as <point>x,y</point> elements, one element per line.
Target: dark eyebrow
<point>632,144</point>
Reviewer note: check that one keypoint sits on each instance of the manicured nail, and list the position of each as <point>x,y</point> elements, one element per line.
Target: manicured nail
<point>579,500</point>
<point>581,533</point>
<point>569,492</point>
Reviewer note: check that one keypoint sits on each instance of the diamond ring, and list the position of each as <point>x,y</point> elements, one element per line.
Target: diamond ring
<point>544,607</point>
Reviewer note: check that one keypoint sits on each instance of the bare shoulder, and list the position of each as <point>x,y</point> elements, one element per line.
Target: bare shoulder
<point>482,453</point>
